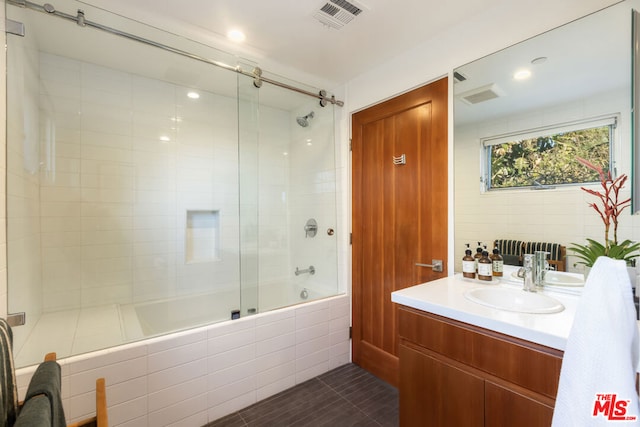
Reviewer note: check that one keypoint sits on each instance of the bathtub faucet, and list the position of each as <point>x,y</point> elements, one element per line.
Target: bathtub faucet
<point>311,270</point>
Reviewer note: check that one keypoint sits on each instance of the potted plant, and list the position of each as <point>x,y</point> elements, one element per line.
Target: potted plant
<point>609,207</point>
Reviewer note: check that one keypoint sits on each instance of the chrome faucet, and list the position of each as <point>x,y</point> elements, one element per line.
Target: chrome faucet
<point>534,268</point>
<point>540,267</point>
<point>527,267</point>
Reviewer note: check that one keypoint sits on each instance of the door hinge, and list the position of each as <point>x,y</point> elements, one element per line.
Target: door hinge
<point>14,27</point>
<point>351,238</point>
<point>350,145</point>
<point>350,332</point>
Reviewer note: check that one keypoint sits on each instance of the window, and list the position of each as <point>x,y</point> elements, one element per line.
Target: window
<point>545,157</point>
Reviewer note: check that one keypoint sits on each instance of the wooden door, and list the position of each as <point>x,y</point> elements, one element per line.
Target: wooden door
<point>399,208</point>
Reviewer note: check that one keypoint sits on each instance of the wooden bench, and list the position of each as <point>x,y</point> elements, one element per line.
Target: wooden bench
<point>513,250</point>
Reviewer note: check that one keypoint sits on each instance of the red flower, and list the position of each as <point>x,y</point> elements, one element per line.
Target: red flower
<point>610,206</point>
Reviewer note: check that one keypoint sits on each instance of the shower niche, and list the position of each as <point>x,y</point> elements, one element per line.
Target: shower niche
<point>202,236</point>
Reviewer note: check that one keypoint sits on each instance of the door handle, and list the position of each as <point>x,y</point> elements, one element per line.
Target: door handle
<point>436,265</point>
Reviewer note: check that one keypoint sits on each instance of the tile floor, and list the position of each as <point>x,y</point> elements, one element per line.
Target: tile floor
<point>345,396</point>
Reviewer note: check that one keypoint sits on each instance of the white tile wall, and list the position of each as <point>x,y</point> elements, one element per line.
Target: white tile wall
<point>113,196</point>
<point>313,187</point>
<point>197,376</point>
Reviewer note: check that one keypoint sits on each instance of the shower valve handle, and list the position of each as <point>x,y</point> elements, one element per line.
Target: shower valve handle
<point>310,228</point>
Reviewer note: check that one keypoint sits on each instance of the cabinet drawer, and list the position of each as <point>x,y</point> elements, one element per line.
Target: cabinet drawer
<point>532,366</point>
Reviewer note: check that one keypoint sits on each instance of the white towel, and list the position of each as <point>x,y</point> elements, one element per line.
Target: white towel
<point>597,378</point>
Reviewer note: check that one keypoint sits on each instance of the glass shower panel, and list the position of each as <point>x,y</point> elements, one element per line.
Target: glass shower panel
<point>148,196</point>
<point>296,183</point>
<point>248,101</point>
<point>122,185</point>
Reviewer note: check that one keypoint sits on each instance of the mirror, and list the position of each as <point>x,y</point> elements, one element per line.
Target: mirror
<point>578,71</point>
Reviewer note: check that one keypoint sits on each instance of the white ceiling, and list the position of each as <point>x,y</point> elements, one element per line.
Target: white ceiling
<point>284,37</point>
<point>285,31</point>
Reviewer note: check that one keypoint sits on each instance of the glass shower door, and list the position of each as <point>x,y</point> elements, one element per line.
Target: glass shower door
<point>122,185</point>
<point>295,178</point>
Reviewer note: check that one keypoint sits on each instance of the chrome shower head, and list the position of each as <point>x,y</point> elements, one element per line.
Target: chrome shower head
<point>304,121</point>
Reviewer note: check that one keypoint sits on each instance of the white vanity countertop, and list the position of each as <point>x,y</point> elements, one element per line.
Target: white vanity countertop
<point>445,297</point>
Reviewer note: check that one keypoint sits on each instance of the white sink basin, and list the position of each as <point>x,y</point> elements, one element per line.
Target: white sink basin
<point>514,300</point>
<point>557,278</point>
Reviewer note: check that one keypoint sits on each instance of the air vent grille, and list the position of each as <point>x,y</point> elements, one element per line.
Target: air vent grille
<point>330,9</point>
<point>481,94</point>
<point>349,7</point>
<point>337,13</point>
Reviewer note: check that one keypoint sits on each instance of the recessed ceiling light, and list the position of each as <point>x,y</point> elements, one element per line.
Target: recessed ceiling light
<point>539,60</point>
<point>165,138</point>
<point>522,74</point>
<point>193,95</point>
<point>236,35</point>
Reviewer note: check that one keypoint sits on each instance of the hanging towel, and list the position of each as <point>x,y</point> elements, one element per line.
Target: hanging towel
<point>8,389</point>
<point>46,382</point>
<point>597,378</point>
<point>36,412</point>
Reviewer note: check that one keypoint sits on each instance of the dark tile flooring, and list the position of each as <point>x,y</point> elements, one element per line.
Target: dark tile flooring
<point>345,396</point>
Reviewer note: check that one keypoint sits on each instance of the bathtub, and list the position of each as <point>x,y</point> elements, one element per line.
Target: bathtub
<point>195,376</point>
<point>159,317</point>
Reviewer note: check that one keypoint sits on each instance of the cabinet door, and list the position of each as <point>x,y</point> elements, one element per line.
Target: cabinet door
<point>434,393</point>
<point>506,408</point>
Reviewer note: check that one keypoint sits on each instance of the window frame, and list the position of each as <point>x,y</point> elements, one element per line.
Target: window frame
<point>611,120</point>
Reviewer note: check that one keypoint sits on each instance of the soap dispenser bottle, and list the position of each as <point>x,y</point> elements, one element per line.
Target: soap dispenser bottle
<point>478,255</point>
<point>468,264</point>
<point>497,262</point>
<point>485,268</point>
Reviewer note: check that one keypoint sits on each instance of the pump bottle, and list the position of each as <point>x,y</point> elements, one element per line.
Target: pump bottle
<point>497,262</point>
<point>485,268</point>
<point>468,264</point>
<point>478,255</point>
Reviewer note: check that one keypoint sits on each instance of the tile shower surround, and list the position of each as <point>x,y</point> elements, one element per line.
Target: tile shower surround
<point>108,207</point>
<point>114,197</point>
<point>197,376</point>
<point>110,200</point>
<point>187,378</point>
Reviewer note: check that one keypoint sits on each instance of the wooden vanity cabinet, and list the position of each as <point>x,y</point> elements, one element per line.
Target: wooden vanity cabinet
<point>456,374</point>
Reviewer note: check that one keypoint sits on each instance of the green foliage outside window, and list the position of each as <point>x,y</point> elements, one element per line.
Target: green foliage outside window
<point>550,160</point>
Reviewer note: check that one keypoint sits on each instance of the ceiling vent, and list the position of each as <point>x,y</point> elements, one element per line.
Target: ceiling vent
<point>481,94</point>
<point>337,13</point>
